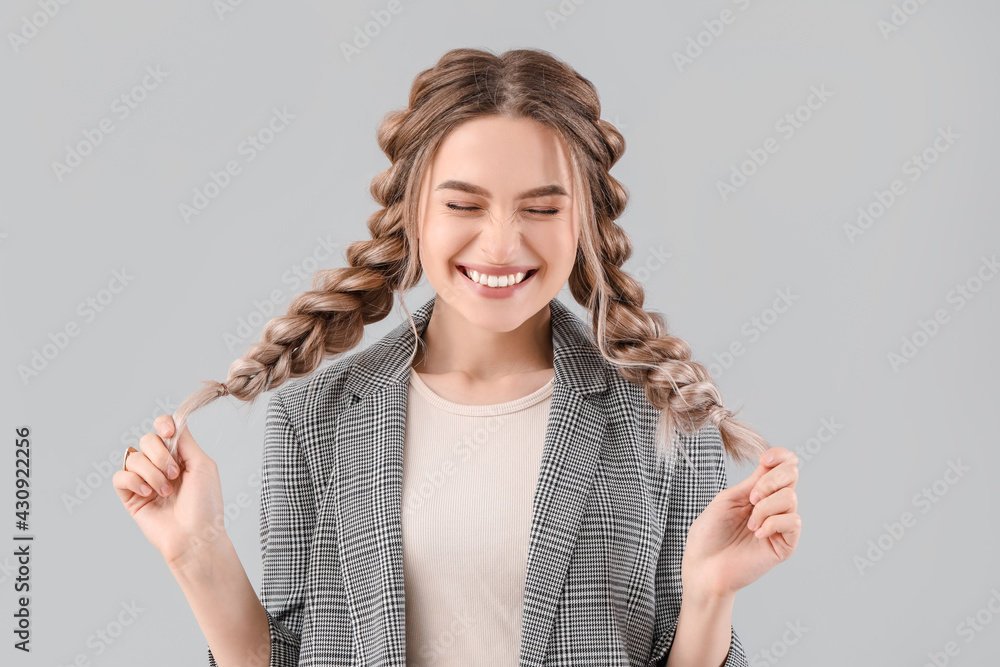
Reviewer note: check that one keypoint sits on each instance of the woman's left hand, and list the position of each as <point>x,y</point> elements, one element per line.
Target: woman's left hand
<point>746,530</point>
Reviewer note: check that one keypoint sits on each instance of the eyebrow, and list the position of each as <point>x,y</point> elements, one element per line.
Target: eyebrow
<point>541,191</point>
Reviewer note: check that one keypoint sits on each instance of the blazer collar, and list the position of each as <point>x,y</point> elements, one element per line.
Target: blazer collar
<point>364,493</point>
<point>576,360</point>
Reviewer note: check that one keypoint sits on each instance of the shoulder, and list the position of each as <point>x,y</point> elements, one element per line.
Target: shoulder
<point>323,394</point>
<point>319,394</point>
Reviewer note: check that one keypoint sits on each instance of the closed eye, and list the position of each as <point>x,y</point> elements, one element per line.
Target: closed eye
<point>548,211</point>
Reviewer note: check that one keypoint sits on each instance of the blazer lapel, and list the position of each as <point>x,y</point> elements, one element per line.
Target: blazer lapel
<point>365,487</point>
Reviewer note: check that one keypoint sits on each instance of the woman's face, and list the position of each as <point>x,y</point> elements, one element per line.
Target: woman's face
<point>497,198</point>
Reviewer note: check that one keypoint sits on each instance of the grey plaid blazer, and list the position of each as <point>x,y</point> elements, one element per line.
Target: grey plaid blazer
<point>607,534</point>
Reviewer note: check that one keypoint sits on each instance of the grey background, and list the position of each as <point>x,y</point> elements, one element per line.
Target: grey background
<point>896,430</point>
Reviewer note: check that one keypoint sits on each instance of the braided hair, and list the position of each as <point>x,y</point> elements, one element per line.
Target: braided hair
<point>464,84</point>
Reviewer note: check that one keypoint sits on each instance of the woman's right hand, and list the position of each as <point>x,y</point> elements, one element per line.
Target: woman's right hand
<point>188,517</point>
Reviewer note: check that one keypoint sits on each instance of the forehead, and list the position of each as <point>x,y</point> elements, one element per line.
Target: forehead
<point>511,154</point>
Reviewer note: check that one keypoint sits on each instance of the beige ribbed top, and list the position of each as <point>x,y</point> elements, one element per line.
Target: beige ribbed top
<point>469,478</point>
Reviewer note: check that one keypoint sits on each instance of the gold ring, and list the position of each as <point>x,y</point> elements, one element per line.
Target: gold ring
<point>127,452</point>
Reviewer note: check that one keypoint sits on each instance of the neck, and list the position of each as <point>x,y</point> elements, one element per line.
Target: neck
<point>453,345</point>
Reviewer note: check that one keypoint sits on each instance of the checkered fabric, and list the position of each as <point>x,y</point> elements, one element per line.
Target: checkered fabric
<point>609,524</point>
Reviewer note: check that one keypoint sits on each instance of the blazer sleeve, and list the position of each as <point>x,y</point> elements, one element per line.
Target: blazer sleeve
<point>287,520</point>
<point>694,482</point>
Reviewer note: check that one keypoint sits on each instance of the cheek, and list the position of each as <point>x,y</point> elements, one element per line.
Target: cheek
<point>559,247</point>
<point>438,243</point>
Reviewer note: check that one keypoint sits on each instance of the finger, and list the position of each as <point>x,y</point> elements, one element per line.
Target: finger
<point>142,466</point>
<point>744,488</point>
<point>781,501</point>
<point>788,525</point>
<point>785,475</point>
<point>152,446</point>
<point>188,450</point>
<point>775,455</point>
<point>164,425</point>
<point>128,483</point>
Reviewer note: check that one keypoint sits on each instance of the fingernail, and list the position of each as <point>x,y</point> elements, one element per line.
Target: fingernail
<point>754,497</point>
<point>165,489</point>
<point>767,458</point>
<point>752,524</point>
<point>145,490</point>
<point>172,471</point>
<point>760,531</point>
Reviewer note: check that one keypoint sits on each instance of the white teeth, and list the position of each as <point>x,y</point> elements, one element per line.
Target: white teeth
<point>494,281</point>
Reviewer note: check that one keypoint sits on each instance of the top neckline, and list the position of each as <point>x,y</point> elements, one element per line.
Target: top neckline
<point>480,410</point>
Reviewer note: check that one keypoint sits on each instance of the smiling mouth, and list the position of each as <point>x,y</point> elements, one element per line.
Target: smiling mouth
<point>464,271</point>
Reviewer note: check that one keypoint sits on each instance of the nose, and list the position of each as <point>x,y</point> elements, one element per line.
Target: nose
<point>500,238</point>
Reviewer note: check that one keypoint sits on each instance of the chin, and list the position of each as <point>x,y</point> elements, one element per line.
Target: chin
<point>490,317</point>
<point>500,316</point>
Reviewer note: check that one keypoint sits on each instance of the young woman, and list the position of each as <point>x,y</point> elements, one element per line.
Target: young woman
<point>493,481</point>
